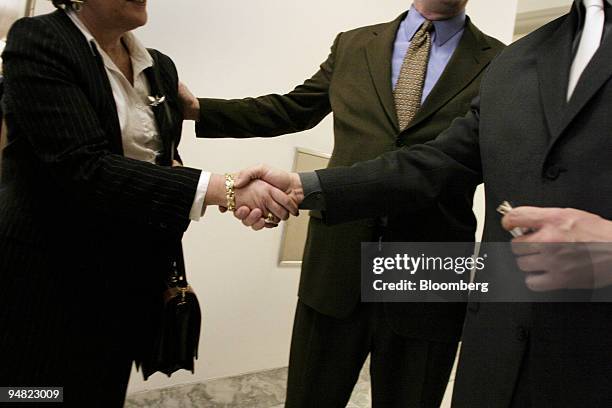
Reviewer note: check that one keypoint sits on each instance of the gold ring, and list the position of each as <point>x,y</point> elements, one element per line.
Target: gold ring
<point>270,219</point>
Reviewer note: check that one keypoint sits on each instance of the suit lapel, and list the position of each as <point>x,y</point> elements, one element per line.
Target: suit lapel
<point>554,81</point>
<point>468,60</point>
<point>467,63</point>
<point>379,53</point>
<point>553,64</point>
<point>596,74</point>
<point>101,92</point>
<point>109,117</point>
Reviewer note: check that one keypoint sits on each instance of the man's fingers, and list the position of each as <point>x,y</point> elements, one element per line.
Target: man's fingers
<point>278,211</point>
<point>241,213</point>
<point>531,263</point>
<point>527,217</point>
<point>541,238</point>
<point>253,218</point>
<point>521,246</point>
<point>542,282</point>
<point>259,225</point>
<point>286,201</point>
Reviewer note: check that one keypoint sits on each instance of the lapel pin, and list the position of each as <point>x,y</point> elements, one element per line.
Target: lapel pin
<point>156,100</point>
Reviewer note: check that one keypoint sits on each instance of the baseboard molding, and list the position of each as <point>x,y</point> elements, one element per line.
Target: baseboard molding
<point>532,20</point>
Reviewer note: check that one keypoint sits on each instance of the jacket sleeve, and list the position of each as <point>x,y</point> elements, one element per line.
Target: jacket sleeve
<point>270,115</point>
<point>46,105</point>
<point>410,178</point>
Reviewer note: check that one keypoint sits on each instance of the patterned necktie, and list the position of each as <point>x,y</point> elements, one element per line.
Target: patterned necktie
<point>409,89</point>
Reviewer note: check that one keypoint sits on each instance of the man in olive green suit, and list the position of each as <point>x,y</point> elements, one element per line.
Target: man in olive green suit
<point>412,346</point>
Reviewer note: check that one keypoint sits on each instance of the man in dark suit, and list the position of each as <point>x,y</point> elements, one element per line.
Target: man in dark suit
<point>538,135</point>
<point>412,347</point>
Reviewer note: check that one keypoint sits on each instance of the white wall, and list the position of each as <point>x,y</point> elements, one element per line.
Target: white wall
<point>43,6</point>
<point>241,48</point>
<point>525,6</point>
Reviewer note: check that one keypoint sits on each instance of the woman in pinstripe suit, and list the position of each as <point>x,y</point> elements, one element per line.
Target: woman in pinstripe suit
<point>89,201</point>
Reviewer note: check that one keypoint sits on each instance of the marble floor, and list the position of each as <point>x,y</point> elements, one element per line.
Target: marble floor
<point>264,389</point>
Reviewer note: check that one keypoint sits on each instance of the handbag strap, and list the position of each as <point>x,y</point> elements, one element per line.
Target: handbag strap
<point>160,87</point>
<point>179,276</point>
<point>3,129</point>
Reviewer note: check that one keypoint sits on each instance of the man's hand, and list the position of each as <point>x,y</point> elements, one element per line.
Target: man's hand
<point>567,248</point>
<point>189,103</point>
<point>289,183</point>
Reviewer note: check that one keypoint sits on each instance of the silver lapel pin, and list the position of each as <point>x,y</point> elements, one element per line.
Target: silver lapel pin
<point>156,100</point>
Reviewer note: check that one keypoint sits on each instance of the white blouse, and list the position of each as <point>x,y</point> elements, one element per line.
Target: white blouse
<point>139,133</point>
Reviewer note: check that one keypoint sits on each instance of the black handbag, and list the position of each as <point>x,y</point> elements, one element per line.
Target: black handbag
<point>175,335</point>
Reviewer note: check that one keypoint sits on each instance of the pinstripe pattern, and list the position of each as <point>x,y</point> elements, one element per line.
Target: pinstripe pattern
<point>53,76</point>
<point>2,126</point>
<point>83,230</point>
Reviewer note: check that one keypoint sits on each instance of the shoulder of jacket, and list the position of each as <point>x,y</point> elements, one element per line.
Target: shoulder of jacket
<point>166,64</point>
<point>366,32</point>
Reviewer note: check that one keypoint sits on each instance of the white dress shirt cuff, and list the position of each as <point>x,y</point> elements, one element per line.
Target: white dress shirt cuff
<point>198,208</point>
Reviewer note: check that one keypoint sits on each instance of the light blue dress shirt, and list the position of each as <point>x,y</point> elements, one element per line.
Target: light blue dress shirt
<point>444,42</point>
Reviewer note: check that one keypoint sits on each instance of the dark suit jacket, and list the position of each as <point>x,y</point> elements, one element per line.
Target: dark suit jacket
<point>1,121</point>
<point>84,231</point>
<point>530,147</point>
<point>355,84</point>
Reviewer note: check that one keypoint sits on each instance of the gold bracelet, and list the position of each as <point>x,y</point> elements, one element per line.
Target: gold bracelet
<point>230,195</point>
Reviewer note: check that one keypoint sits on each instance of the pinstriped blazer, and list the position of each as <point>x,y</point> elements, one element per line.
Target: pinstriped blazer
<point>74,212</point>
<point>65,142</point>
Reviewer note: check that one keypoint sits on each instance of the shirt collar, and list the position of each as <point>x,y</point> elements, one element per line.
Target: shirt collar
<point>141,59</point>
<point>444,29</point>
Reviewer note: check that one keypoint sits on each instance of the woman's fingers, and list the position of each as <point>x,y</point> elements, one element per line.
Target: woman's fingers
<point>252,218</point>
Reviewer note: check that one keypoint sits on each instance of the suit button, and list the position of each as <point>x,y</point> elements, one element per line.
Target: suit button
<point>522,334</point>
<point>553,172</point>
<point>163,225</point>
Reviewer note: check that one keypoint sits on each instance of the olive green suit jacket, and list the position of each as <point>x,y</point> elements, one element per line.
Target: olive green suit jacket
<point>354,84</point>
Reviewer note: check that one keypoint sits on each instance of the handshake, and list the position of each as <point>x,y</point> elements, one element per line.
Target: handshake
<point>260,196</point>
